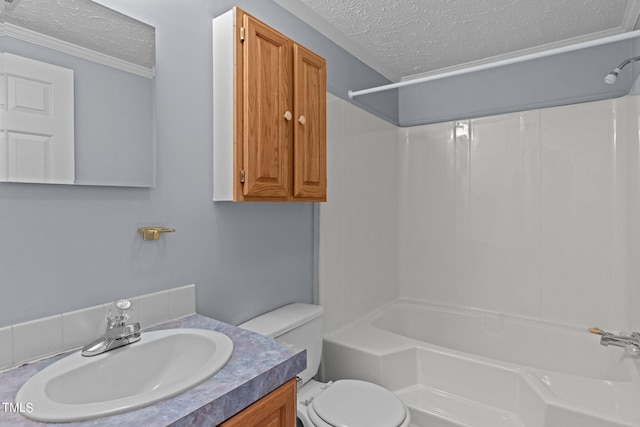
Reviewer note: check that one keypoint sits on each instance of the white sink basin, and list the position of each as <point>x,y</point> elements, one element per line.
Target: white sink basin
<point>162,364</point>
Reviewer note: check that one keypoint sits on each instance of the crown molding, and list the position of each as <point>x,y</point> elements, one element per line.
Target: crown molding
<point>39,39</point>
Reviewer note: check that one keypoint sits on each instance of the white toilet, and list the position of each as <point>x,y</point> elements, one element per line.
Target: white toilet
<point>350,403</point>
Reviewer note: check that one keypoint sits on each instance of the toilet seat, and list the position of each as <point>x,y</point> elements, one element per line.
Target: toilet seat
<point>355,403</point>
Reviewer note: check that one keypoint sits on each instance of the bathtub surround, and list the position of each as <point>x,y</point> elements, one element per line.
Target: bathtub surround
<point>32,340</point>
<point>358,223</point>
<point>528,213</point>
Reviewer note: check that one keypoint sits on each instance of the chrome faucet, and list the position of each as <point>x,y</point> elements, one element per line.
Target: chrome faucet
<point>630,342</point>
<point>118,333</point>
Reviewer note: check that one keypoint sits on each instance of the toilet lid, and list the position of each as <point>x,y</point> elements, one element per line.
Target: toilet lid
<point>353,403</point>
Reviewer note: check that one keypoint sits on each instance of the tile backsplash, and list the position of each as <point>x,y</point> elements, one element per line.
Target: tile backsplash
<point>39,338</point>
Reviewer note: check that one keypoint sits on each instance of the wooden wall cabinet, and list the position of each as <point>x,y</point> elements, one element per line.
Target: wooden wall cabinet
<point>276,409</point>
<point>269,114</point>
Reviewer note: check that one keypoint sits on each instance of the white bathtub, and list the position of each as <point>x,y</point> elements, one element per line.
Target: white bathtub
<point>473,368</point>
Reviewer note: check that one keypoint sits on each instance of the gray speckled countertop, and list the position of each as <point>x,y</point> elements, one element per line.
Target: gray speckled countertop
<point>257,366</point>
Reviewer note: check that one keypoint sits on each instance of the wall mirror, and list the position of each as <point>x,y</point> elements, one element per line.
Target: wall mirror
<point>113,61</point>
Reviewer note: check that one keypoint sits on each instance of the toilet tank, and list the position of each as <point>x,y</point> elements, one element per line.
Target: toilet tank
<point>296,324</point>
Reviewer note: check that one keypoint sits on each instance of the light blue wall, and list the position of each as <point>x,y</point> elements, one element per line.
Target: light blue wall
<point>561,79</point>
<point>64,248</point>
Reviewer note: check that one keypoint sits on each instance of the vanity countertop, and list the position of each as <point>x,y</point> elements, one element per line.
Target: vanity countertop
<point>257,366</point>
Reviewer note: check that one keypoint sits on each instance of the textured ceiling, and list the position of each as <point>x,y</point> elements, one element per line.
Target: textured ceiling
<point>87,24</point>
<point>401,38</point>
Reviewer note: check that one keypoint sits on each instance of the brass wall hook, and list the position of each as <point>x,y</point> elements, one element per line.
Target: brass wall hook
<point>153,233</point>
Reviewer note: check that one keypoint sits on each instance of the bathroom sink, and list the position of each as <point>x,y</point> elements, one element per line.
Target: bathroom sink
<point>162,364</point>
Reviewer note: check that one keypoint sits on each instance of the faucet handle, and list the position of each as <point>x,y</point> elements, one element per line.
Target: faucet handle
<point>119,313</point>
<point>123,304</point>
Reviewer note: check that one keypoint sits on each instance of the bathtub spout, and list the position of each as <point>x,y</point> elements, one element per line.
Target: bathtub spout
<point>630,343</point>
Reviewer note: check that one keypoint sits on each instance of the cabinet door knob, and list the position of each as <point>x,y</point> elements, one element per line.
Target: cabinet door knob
<point>302,120</point>
<point>288,115</point>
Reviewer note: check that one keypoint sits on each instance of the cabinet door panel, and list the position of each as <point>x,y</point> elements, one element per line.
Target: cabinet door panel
<point>310,157</point>
<point>267,133</point>
<point>277,409</point>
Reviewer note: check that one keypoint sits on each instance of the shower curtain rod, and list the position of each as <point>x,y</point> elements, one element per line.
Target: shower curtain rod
<point>527,57</point>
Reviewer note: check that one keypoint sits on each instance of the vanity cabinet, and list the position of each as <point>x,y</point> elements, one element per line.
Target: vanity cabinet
<point>269,114</point>
<point>276,409</point>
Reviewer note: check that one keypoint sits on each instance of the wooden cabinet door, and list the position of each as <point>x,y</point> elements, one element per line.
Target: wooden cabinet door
<point>267,116</point>
<point>310,157</point>
<point>277,409</point>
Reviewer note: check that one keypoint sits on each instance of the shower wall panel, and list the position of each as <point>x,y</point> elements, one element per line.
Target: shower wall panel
<point>531,213</point>
<point>523,213</point>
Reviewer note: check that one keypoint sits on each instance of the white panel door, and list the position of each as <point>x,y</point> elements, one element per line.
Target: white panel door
<point>37,143</point>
